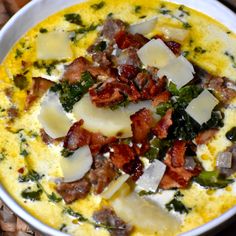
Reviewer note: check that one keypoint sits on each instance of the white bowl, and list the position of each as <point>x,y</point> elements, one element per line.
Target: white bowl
<point>28,16</point>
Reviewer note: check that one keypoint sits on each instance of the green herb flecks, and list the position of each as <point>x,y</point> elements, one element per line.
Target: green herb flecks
<point>199,50</point>
<point>48,66</point>
<point>123,103</point>
<point>69,94</point>
<point>66,152</point>
<point>183,11</point>
<point>176,204</point>
<point>23,145</point>
<point>74,18</point>
<point>98,6</point>
<point>137,9</point>
<point>63,228</point>
<point>101,46</point>
<point>54,198</point>
<point>185,53</point>
<point>18,54</point>
<point>32,195</point>
<point>43,30</point>
<point>232,58</point>
<point>3,155</point>
<point>212,179</point>
<point>20,81</point>
<point>164,11</point>
<point>32,175</point>
<point>145,193</point>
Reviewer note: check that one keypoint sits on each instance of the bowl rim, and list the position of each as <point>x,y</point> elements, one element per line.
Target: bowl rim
<point>11,29</point>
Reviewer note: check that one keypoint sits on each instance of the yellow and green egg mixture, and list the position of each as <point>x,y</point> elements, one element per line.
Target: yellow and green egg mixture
<point>29,168</point>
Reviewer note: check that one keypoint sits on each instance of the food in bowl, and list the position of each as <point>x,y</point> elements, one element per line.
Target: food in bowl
<point>118,118</point>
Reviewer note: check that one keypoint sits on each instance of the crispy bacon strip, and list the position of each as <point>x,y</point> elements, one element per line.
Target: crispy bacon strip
<point>177,177</point>
<point>38,88</point>
<point>125,40</point>
<point>161,97</point>
<point>162,126</point>
<point>78,137</point>
<point>205,136</point>
<point>177,153</point>
<point>142,122</point>
<point>70,192</point>
<point>121,154</point>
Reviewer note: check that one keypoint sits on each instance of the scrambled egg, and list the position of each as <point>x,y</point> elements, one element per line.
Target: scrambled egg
<point>209,44</point>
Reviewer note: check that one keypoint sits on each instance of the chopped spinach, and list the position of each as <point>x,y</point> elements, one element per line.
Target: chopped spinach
<point>43,30</point>
<point>98,6</point>
<point>212,179</point>
<point>20,81</point>
<point>123,103</point>
<point>152,154</point>
<point>77,215</point>
<point>54,198</point>
<point>69,94</point>
<point>176,204</point>
<point>32,175</point>
<point>32,195</point>
<point>162,108</point>
<point>74,18</point>
<point>144,193</point>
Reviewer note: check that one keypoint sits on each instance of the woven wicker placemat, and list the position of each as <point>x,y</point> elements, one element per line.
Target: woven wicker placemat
<point>10,224</point>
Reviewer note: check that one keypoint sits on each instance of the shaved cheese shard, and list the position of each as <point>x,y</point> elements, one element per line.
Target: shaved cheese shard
<point>200,108</point>
<point>144,27</point>
<point>179,71</point>
<point>155,53</point>
<point>175,34</point>
<point>103,120</point>
<point>77,165</point>
<point>114,186</point>
<point>53,45</point>
<point>53,117</point>
<point>152,176</point>
<point>144,215</point>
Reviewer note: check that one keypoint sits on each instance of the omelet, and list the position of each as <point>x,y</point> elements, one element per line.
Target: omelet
<point>32,163</point>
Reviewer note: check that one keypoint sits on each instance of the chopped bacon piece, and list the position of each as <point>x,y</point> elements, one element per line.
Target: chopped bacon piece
<point>162,126</point>
<point>98,141</point>
<point>77,136</point>
<point>205,136</point>
<point>134,95</point>
<point>177,153</point>
<point>174,47</point>
<point>125,40</point>
<point>70,192</point>
<point>47,139</point>
<point>142,122</point>
<point>121,154</point>
<point>141,149</point>
<point>134,168</point>
<point>177,177</point>
<point>111,27</point>
<point>12,113</point>
<point>102,173</point>
<point>147,86</point>
<point>128,71</point>
<point>161,97</point>
<point>38,88</point>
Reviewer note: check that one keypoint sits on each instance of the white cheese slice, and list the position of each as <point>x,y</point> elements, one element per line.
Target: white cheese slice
<point>52,116</point>
<point>179,71</point>
<point>114,186</point>
<point>77,165</point>
<point>144,27</point>
<point>200,108</point>
<point>175,34</point>
<point>155,53</point>
<point>152,176</point>
<point>103,120</point>
<point>53,45</point>
<point>144,215</point>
